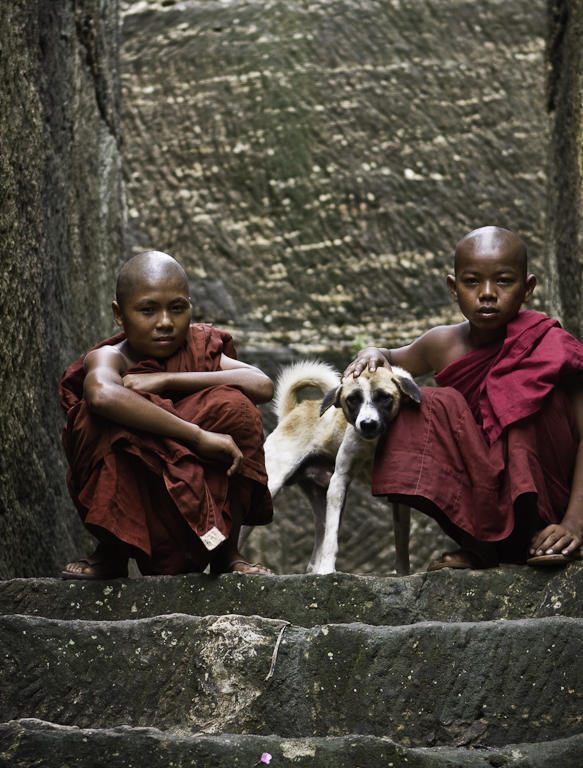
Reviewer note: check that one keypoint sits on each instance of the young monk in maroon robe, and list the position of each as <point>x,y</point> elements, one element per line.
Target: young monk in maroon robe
<point>494,453</point>
<point>163,437</point>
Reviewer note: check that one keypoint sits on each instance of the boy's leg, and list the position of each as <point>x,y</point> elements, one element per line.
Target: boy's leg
<point>228,559</point>
<point>437,451</point>
<point>547,444</point>
<point>472,553</point>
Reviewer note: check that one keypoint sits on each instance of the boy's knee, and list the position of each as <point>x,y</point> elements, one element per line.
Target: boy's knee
<point>444,398</point>
<point>230,411</point>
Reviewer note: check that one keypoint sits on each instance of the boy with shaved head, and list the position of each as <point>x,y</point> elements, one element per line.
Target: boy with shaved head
<point>163,436</point>
<point>494,453</point>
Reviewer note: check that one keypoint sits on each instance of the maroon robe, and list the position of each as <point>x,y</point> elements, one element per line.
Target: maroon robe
<point>498,433</point>
<point>153,494</point>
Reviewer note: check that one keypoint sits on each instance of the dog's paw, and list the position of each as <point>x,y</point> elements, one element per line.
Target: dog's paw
<point>324,568</point>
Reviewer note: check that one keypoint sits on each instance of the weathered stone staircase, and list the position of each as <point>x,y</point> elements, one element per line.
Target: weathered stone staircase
<point>452,668</point>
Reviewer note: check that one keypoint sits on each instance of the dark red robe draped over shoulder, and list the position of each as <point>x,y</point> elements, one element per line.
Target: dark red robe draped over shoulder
<point>152,493</point>
<point>498,427</point>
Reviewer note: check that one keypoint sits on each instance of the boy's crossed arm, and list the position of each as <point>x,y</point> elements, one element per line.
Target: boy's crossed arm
<point>105,394</point>
<point>255,384</point>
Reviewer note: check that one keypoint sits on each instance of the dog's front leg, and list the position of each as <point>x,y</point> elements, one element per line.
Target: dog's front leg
<point>347,462</point>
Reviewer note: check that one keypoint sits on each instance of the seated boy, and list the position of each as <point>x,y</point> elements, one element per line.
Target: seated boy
<point>163,437</point>
<point>494,454</point>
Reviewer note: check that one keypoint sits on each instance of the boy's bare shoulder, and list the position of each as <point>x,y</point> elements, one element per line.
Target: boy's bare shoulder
<point>442,344</point>
<point>445,332</point>
<point>442,337</point>
<point>108,356</point>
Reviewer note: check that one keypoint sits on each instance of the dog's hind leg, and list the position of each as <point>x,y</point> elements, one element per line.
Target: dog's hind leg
<point>316,494</point>
<point>401,529</point>
<point>277,474</point>
<point>275,483</point>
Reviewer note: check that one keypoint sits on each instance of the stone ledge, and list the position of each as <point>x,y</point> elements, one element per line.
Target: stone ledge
<point>26,742</point>
<point>447,595</point>
<point>430,684</point>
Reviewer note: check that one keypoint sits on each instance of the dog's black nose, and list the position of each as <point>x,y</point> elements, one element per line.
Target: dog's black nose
<point>368,427</point>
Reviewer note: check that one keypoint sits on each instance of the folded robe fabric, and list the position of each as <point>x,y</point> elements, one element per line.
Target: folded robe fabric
<point>153,493</point>
<point>498,427</point>
<point>507,380</point>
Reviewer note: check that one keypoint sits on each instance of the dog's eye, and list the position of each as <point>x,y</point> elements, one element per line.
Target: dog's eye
<point>354,398</point>
<point>384,397</point>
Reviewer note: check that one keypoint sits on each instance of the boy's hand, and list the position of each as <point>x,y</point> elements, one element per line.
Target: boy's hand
<point>146,382</point>
<point>554,540</point>
<point>219,447</point>
<point>371,358</point>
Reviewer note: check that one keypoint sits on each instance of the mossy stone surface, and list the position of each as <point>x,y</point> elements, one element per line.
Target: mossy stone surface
<point>445,596</point>
<point>61,240</point>
<point>24,742</point>
<point>428,684</point>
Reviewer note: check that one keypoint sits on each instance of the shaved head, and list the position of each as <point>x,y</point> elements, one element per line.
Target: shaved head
<point>493,239</point>
<point>147,268</point>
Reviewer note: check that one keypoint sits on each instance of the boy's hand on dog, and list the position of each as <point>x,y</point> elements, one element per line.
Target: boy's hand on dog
<point>371,358</point>
<point>218,447</point>
<point>555,539</point>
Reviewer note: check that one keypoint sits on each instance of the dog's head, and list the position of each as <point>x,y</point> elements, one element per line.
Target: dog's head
<point>372,400</point>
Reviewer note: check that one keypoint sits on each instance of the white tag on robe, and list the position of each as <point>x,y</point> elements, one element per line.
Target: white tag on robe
<point>213,538</point>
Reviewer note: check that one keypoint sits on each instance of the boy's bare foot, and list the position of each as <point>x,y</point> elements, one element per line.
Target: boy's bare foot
<point>460,558</point>
<point>95,567</point>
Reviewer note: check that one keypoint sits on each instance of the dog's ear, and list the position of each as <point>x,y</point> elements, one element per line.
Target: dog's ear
<point>331,398</point>
<point>409,387</point>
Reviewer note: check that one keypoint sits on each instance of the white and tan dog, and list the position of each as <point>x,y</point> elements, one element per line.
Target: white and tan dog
<point>323,448</point>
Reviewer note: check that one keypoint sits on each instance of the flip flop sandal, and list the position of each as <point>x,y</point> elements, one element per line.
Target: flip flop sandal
<point>110,571</point>
<point>436,565</point>
<point>558,559</point>
<point>247,573</point>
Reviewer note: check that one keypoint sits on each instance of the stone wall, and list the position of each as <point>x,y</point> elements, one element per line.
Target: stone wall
<point>564,228</point>
<point>312,165</point>
<point>61,234</point>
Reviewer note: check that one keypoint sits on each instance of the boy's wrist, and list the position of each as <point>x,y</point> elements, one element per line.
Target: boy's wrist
<point>195,434</point>
<point>573,520</point>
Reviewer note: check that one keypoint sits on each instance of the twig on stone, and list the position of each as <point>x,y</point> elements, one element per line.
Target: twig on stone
<point>276,649</point>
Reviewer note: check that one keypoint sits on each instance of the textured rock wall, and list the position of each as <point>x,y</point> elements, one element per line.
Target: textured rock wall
<point>312,165</point>
<point>61,234</point>
<point>565,204</point>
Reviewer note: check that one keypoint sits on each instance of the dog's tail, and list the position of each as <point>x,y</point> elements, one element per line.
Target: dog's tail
<point>294,378</point>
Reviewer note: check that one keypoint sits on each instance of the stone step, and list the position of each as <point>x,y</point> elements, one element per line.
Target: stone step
<point>429,684</point>
<point>24,743</point>
<point>447,595</point>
